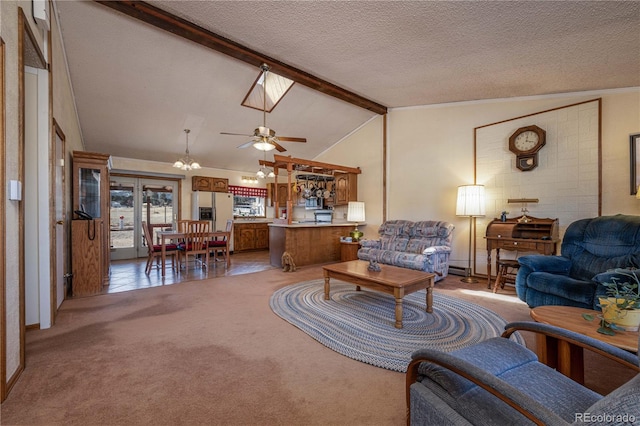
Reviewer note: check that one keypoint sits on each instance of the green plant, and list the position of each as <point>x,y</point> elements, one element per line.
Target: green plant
<point>622,295</point>
<point>626,294</point>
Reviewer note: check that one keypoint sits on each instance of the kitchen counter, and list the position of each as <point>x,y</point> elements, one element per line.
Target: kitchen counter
<point>248,220</point>
<point>308,243</point>
<point>305,224</point>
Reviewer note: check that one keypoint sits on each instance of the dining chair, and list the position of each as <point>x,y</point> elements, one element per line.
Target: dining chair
<point>219,245</point>
<point>195,242</point>
<point>155,250</point>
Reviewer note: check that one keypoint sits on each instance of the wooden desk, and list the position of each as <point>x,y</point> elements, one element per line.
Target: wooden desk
<point>535,235</point>
<point>165,236</point>
<point>568,358</point>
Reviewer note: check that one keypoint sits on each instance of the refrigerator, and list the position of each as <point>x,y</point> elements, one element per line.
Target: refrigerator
<point>214,206</point>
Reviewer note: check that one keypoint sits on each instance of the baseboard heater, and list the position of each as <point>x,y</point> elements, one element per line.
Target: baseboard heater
<point>459,270</point>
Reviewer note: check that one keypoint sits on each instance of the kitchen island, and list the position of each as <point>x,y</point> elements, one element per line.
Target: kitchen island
<point>308,243</point>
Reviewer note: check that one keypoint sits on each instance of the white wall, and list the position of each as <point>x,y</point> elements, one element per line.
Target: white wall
<point>431,153</point>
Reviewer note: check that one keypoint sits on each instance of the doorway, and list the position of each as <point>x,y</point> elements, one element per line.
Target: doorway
<point>135,200</point>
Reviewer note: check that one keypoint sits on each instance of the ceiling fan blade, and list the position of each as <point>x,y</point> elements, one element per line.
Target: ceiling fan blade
<point>246,144</point>
<point>279,147</point>
<point>290,139</point>
<point>235,134</point>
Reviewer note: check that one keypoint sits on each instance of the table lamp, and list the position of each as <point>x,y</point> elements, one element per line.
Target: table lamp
<point>355,213</point>
<point>470,203</point>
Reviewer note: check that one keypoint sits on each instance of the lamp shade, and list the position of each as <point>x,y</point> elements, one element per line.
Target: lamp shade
<point>470,201</point>
<point>355,211</point>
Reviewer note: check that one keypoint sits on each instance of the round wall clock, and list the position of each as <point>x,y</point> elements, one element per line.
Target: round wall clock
<point>525,143</point>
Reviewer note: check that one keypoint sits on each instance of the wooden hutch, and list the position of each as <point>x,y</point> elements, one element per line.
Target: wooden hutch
<point>90,243</point>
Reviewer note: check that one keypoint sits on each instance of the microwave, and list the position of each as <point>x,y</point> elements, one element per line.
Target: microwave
<point>314,203</point>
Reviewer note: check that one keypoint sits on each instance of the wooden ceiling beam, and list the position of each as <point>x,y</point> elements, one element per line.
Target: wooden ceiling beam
<point>181,27</point>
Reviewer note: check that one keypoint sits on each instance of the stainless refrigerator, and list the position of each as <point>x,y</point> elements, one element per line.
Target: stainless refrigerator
<point>214,206</point>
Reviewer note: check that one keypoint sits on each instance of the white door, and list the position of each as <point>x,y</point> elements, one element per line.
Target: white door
<point>134,200</point>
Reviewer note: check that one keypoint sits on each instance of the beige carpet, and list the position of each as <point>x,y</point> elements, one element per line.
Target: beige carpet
<point>207,352</point>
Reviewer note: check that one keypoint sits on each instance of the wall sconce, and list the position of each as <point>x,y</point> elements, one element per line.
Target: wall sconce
<point>249,179</point>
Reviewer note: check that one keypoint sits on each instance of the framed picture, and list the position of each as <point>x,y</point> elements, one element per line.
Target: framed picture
<point>634,147</point>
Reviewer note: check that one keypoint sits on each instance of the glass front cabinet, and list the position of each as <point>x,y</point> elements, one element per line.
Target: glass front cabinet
<point>90,249</point>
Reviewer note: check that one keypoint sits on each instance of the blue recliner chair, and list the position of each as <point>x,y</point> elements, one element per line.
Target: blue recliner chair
<point>589,247</point>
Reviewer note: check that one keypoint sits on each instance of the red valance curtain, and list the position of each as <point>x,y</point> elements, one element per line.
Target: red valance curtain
<point>246,191</point>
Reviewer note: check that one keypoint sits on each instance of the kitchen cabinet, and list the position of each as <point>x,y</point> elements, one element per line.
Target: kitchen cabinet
<point>90,251</point>
<point>346,188</point>
<point>250,236</point>
<point>282,194</point>
<point>210,184</point>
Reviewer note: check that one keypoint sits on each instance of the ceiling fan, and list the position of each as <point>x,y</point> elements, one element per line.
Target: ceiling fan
<point>264,138</point>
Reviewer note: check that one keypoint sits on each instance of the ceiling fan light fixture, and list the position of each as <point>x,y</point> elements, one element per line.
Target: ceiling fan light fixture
<point>271,174</point>
<point>260,173</point>
<point>264,146</point>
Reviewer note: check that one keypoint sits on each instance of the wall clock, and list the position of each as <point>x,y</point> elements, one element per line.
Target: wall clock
<point>525,144</point>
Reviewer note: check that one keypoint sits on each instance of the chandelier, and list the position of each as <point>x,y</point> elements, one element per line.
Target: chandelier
<point>187,163</point>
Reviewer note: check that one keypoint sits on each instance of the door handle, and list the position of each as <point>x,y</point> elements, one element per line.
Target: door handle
<point>60,222</point>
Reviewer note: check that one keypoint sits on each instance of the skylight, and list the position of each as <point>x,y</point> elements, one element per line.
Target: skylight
<point>277,87</point>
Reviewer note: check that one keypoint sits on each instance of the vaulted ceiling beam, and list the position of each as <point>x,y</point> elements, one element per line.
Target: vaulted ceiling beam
<point>188,30</point>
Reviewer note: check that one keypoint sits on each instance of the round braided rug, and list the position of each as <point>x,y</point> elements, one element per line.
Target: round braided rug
<point>360,324</point>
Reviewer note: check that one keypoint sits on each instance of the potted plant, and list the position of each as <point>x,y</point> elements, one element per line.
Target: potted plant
<point>621,304</point>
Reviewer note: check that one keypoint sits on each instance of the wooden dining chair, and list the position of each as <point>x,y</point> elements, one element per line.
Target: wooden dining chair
<point>155,250</point>
<point>220,245</point>
<point>195,242</point>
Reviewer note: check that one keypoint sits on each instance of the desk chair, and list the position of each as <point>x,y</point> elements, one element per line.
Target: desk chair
<point>155,250</point>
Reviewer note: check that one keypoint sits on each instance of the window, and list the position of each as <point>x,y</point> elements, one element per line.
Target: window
<point>248,202</point>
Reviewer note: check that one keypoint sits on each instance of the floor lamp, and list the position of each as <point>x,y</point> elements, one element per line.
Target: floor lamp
<point>470,203</point>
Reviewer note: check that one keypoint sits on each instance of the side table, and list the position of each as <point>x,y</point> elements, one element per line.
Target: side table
<point>568,358</point>
<point>349,251</point>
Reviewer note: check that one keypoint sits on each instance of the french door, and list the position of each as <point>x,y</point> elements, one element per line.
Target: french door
<point>136,200</point>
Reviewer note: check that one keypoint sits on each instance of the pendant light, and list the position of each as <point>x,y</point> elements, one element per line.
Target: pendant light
<point>186,163</point>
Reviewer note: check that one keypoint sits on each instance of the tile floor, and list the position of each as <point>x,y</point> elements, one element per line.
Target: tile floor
<point>127,275</point>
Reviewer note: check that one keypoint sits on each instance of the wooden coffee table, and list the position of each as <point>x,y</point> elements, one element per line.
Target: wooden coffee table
<point>568,358</point>
<point>391,280</point>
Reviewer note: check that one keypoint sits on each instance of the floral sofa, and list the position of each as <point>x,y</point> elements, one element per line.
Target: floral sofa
<point>425,246</point>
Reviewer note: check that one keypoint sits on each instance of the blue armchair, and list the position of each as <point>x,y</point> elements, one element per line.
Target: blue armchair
<point>500,382</point>
<point>589,247</point>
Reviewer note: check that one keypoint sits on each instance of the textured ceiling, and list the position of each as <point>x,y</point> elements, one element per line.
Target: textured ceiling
<point>138,87</point>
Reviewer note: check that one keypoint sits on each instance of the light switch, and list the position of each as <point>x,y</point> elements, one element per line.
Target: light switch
<point>15,190</point>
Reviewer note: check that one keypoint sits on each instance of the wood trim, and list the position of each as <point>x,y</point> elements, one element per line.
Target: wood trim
<point>188,30</point>
<point>22,23</point>
<point>475,146</point>
<point>282,162</point>
<point>53,130</point>
<point>3,237</point>
<point>384,168</point>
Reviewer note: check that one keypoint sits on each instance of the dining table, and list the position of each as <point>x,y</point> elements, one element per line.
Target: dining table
<point>173,235</point>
